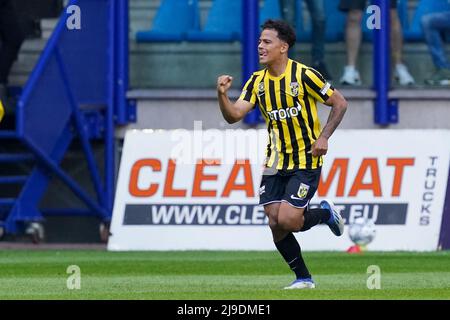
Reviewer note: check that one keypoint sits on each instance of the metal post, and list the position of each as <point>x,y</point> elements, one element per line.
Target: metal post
<point>121,58</point>
<point>116,94</point>
<point>250,36</point>
<point>381,67</point>
<point>80,125</point>
<point>444,237</point>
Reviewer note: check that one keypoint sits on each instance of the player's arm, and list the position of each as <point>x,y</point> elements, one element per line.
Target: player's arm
<point>232,112</point>
<point>338,107</point>
<point>324,92</point>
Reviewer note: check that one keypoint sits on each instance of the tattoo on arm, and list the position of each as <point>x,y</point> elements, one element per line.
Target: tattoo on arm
<point>335,117</point>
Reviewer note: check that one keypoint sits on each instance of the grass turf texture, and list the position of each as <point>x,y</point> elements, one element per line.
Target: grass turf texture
<point>219,275</point>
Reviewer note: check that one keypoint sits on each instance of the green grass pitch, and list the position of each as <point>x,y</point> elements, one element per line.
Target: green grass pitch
<point>219,275</point>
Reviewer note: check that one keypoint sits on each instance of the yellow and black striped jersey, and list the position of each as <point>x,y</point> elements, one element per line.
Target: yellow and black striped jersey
<point>288,104</point>
<point>2,111</point>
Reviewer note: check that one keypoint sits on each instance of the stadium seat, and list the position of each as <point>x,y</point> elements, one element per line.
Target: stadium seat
<point>414,32</point>
<point>270,10</point>
<point>224,21</point>
<point>403,14</point>
<point>173,19</point>
<point>223,24</point>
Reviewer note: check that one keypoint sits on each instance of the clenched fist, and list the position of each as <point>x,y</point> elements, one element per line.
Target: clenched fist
<point>320,147</point>
<point>224,83</point>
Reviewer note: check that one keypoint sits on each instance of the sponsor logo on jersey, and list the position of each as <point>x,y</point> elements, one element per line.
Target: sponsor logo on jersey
<point>282,114</point>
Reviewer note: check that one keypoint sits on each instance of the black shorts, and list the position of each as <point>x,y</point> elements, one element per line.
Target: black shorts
<point>347,5</point>
<point>296,186</point>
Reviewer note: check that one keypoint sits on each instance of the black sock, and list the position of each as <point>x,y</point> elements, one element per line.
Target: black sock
<point>313,217</point>
<point>292,254</point>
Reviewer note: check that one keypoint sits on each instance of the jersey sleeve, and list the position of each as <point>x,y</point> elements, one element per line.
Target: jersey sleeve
<point>2,111</point>
<point>248,92</point>
<point>317,86</point>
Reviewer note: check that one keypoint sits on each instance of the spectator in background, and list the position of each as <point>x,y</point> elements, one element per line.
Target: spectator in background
<point>11,39</point>
<point>317,13</point>
<point>434,25</point>
<point>353,36</point>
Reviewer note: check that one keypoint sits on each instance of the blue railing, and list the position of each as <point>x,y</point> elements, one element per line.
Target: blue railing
<point>250,36</point>
<point>385,111</point>
<point>76,90</point>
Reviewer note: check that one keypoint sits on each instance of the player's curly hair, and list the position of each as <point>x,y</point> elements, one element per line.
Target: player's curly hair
<point>285,32</point>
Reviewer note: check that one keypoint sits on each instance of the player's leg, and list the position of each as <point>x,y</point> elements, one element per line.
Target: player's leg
<point>295,219</point>
<point>335,222</point>
<point>271,191</point>
<point>271,211</point>
<point>295,215</point>
<point>299,189</point>
<point>289,247</point>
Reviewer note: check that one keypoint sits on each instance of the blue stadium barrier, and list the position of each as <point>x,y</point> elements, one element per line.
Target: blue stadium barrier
<point>271,9</point>
<point>173,19</point>
<point>75,91</point>
<point>415,32</point>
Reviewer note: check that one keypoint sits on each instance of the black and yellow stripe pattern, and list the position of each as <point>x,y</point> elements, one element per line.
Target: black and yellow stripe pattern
<point>2,111</point>
<point>288,104</point>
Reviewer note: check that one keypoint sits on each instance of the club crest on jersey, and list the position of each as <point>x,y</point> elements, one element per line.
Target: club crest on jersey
<point>261,89</point>
<point>303,191</point>
<point>294,88</point>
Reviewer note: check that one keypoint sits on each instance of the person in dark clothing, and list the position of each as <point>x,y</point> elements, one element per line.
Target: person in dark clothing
<point>11,39</point>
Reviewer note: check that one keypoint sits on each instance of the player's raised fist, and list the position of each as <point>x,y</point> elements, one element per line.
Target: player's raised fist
<point>224,83</point>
